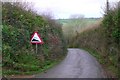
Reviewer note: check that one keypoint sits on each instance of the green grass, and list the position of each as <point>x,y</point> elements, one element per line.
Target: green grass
<point>47,65</point>
<point>109,67</point>
<point>89,20</point>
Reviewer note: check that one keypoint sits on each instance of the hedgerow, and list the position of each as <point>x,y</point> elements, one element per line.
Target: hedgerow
<point>111,22</point>
<point>18,53</point>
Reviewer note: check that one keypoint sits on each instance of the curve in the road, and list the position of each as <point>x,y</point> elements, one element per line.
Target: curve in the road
<point>77,64</point>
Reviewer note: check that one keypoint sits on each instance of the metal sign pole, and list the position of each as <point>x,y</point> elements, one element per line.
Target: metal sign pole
<point>36,40</point>
<point>36,48</point>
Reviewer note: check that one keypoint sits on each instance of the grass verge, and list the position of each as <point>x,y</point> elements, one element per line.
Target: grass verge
<point>108,68</point>
<point>47,65</point>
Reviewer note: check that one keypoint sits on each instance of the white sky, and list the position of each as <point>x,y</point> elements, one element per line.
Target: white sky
<point>65,8</point>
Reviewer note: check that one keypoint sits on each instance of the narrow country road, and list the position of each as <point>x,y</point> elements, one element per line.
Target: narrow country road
<point>77,64</point>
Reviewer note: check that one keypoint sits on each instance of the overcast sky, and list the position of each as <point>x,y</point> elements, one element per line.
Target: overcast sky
<point>65,8</point>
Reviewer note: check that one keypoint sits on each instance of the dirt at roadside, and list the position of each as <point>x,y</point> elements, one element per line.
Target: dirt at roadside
<point>20,76</point>
<point>108,73</point>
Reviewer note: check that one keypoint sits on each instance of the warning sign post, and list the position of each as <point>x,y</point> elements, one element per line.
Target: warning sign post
<point>36,40</point>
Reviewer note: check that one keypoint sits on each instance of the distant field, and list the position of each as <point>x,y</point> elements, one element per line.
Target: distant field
<point>71,27</point>
<point>88,20</point>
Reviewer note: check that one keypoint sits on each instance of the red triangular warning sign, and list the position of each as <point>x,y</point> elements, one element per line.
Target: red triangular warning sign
<point>36,38</point>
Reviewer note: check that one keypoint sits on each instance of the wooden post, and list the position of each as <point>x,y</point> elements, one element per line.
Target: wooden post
<point>119,4</point>
<point>107,6</point>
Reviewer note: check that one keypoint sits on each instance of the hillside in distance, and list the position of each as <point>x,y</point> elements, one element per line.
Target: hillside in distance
<point>89,20</point>
<point>71,27</point>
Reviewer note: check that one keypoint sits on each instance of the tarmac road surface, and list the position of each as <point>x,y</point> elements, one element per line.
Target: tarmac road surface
<point>77,64</point>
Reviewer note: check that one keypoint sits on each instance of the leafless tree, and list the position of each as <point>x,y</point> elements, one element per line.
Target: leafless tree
<point>26,5</point>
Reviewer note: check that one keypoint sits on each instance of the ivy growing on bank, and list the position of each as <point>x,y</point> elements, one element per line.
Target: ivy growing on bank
<point>111,22</point>
<point>18,54</point>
